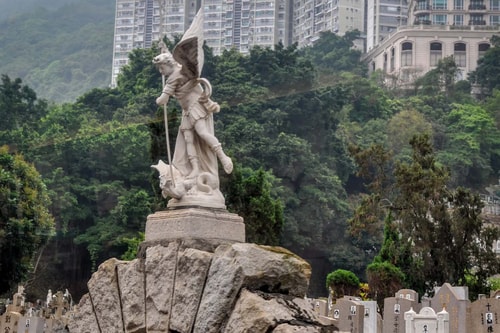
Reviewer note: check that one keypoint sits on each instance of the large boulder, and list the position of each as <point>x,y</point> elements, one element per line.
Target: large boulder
<point>186,286</point>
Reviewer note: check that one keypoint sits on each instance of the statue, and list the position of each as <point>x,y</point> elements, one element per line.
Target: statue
<point>48,300</point>
<point>191,177</point>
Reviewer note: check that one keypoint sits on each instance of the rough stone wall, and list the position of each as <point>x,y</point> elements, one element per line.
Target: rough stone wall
<point>190,286</point>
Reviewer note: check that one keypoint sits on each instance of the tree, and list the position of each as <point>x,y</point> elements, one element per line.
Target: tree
<point>342,283</point>
<point>472,143</point>
<point>374,166</point>
<point>487,73</point>
<point>439,224</point>
<point>20,111</point>
<point>413,122</point>
<point>25,222</point>
<point>249,194</point>
<point>384,279</point>
<point>439,80</point>
<point>332,53</point>
<point>384,274</point>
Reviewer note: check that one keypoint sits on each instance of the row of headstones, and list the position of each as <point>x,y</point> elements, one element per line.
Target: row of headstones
<point>449,310</point>
<point>24,317</point>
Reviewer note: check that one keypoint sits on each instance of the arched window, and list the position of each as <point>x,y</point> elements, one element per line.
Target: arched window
<point>436,53</point>
<point>460,54</point>
<point>406,54</point>
<point>482,48</point>
<point>385,62</point>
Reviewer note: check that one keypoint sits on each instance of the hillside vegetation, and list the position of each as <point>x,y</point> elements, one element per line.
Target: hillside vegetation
<point>61,53</point>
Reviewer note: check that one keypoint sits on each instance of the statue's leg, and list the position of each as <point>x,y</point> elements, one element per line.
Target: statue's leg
<point>202,131</point>
<point>191,153</point>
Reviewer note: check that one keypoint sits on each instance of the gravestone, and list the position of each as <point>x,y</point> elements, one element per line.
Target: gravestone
<point>427,321</point>
<point>31,325</point>
<point>371,317</point>
<point>349,314</point>
<point>320,306</point>
<point>484,315</point>
<point>456,301</point>
<point>395,307</point>
<point>9,321</point>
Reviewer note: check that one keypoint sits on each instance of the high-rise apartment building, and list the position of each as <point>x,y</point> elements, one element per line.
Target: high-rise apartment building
<point>239,24</point>
<point>382,18</point>
<point>310,17</point>
<point>139,23</point>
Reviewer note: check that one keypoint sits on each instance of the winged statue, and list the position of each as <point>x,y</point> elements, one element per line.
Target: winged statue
<point>191,176</point>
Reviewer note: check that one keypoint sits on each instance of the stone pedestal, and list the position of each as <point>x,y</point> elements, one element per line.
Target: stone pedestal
<point>195,223</point>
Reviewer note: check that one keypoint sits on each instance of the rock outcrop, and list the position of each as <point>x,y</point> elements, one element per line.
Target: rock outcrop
<point>186,286</point>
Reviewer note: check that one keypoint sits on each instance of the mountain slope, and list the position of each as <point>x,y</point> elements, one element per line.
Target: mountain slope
<point>63,53</point>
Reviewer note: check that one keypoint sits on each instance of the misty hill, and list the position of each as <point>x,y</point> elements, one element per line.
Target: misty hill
<point>11,8</point>
<point>61,52</point>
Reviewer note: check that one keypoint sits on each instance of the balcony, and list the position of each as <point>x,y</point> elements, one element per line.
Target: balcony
<point>422,6</point>
<point>424,22</point>
<point>477,22</point>
<point>477,7</point>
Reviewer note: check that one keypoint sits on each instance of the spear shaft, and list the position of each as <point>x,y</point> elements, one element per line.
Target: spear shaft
<point>165,118</point>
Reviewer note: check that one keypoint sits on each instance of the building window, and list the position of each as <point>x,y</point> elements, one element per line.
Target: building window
<point>439,19</point>
<point>482,48</point>
<point>460,54</point>
<point>477,19</point>
<point>406,54</point>
<point>436,53</point>
<point>458,20</point>
<point>423,5</point>
<point>494,4</point>
<point>459,4</point>
<point>477,5</point>
<point>439,4</point>
<point>385,63</point>
<point>423,19</point>
<point>393,54</point>
<point>494,19</point>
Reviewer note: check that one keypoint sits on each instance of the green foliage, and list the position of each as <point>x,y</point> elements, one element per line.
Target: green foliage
<point>488,68</point>
<point>435,232</point>
<point>333,53</point>
<point>384,279</point>
<point>132,246</point>
<point>25,222</point>
<point>494,283</point>
<point>413,122</point>
<point>443,77</point>
<point>248,193</point>
<point>342,283</point>
<point>473,142</point>
<point>62,53</point>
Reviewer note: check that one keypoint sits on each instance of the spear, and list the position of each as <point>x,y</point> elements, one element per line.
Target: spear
<point>165,118</point>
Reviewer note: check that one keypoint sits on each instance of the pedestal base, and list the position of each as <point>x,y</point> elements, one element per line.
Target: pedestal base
<point>195,223</point>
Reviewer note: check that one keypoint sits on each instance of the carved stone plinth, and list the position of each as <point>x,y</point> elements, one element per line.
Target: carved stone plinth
<point>195,223</point>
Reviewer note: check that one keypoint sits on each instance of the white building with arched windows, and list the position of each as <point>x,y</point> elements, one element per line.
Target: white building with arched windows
<point>441,28</point>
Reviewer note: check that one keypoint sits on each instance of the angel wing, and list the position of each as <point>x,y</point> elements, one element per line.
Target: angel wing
<point>189,51</point>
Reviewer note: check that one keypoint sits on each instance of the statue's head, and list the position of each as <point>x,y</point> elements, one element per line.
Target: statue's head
<point>165,63</point>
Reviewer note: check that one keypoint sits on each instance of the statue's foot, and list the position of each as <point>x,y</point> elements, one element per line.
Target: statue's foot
<point>227,164</point>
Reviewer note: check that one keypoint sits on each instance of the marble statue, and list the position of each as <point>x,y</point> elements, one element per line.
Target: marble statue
<point>191,178</point>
